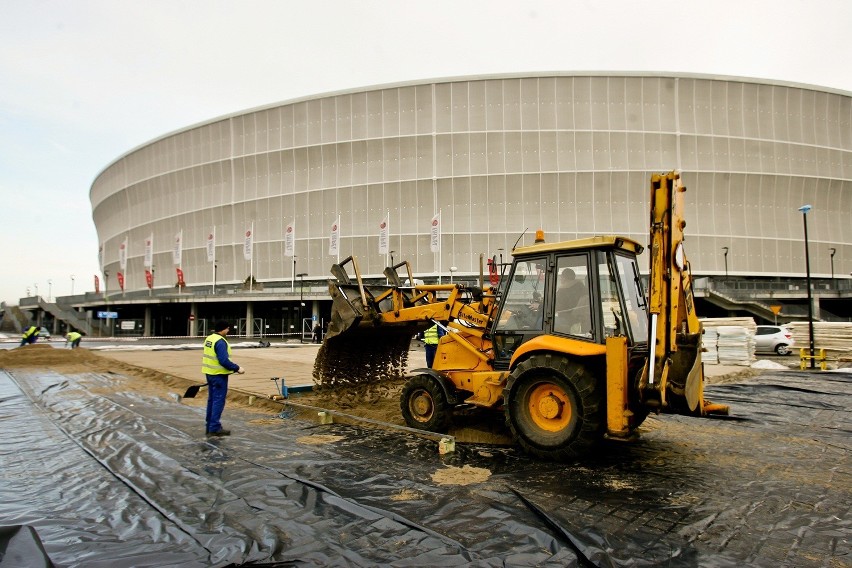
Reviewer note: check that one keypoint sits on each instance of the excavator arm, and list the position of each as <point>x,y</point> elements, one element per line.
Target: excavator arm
<point>674,376</point>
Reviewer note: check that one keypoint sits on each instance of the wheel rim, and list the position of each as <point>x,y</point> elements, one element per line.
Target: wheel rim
<point>421,405</point>
<point>549,407</point>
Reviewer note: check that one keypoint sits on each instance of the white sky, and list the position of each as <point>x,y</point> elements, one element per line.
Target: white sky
<point>84,81</point>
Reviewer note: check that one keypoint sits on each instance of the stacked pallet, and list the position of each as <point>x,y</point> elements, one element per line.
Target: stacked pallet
<point>834,336</point>
<point>729,341</point>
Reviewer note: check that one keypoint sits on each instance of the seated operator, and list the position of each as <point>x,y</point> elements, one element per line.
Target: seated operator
<point>572,304</point>
<point>570,290</point>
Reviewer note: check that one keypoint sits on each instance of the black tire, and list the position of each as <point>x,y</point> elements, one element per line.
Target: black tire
<point>424,404</point>
<point>554,407</point>
<point>783,349</point>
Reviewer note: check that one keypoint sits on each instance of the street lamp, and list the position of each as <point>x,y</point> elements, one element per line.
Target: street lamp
<point>725,249</point>
<point>301,276</point>
<point>833,250</point>
<point>49,289</point>
<point>805,209</point>
<point>36,290</point>
<point>452,269</point>
<point>293,281</point>
<point>391,255</point>
<point>72,284</point>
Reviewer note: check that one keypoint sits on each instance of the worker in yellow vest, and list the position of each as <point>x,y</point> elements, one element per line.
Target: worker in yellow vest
<point>73,338</point>
<point>430,339</point>
<point>30,335</point>
<point>216,364</point>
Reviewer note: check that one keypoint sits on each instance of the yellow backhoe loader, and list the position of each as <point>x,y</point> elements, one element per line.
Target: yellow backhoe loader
<point>568,347</point>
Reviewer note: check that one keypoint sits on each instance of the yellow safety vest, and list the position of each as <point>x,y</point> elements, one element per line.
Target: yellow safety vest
<point>73,335</point>
<point>430,337</point>
<point>30,331</point>
<point>210,362</point>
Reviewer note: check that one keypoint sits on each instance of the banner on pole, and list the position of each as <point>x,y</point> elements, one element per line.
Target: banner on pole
<point>149,279</point>
<point>290,239</point>
<point>177,251</point>
<point>149,252</point>
<point>334,240</point>
<point>435,234</point>
<point>211,246</point>
<point>120,277</point>
<point>97,284</point>
<point>249,243</point>
<point>122,254</point>
<point>384,239</point>
<point>181,282</point>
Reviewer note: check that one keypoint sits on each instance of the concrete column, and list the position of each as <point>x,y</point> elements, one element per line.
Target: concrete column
<point>193,319</point>
<point>146,328</point>
<point>249,319</point>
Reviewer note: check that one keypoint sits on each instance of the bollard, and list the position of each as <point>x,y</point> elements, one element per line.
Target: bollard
<point>446,446</point>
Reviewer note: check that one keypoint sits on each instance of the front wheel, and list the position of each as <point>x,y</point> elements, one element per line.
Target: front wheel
<point>424,404</point>
<point>554,407</point>
<point>782,349</point>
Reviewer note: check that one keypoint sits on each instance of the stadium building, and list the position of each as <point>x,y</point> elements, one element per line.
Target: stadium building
<point>242,216</point>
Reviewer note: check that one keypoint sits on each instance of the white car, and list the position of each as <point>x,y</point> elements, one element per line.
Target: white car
<point>773,338</point>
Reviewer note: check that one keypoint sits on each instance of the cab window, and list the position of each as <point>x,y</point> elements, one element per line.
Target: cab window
<point>572,308</point>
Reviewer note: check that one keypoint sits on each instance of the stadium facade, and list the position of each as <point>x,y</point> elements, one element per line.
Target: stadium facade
<point>492,157</point>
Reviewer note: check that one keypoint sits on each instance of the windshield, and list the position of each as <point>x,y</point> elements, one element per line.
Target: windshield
<point>522,307</point>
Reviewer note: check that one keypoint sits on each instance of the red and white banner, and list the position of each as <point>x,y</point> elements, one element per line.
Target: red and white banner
<point>211,246</point>
<point>97,285</point>
<point>149,278</point>
<point>435,234</point>
<point>181,282</point>
<point>290,239</point>
<point>384,236</point>
<point>122,255</point>
<point>248,247</point>
<point>177,251</point>
<point>120,277</point>
<point>149,252</point>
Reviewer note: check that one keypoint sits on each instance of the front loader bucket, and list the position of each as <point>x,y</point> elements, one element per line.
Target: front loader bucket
<point>345,314</point>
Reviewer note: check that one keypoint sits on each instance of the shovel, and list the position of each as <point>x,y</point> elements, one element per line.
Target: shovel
<point>192,391</point>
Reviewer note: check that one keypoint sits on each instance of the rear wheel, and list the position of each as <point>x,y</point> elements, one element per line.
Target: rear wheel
<point>554,407</point>
<point>782,349</point>
<point>424,404</point>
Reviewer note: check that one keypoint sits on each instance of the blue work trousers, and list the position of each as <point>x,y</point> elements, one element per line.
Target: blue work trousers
<point>217,390</point>
<point>431,350</point>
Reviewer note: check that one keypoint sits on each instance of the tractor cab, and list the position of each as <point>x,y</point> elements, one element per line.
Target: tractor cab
<point>578,292</point>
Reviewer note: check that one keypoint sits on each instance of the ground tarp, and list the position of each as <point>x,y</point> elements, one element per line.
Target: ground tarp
<point>106,475</point>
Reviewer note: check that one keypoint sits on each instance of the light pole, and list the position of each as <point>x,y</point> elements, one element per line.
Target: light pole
<point>293,281</point>
<point>725,249</point>
<point>72,284</point>
<point>452,270</point>
<point>49,289</point>
<point>805,209</point>
<point>391,255</point>
<point>36,290</point>
<point>301,276</point>
<point>833,250</point>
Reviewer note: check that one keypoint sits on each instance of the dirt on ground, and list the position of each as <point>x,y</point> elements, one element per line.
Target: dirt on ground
<point>159,373</point>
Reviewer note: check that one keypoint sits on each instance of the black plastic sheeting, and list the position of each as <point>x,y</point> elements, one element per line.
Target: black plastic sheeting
<point>106,477</point>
